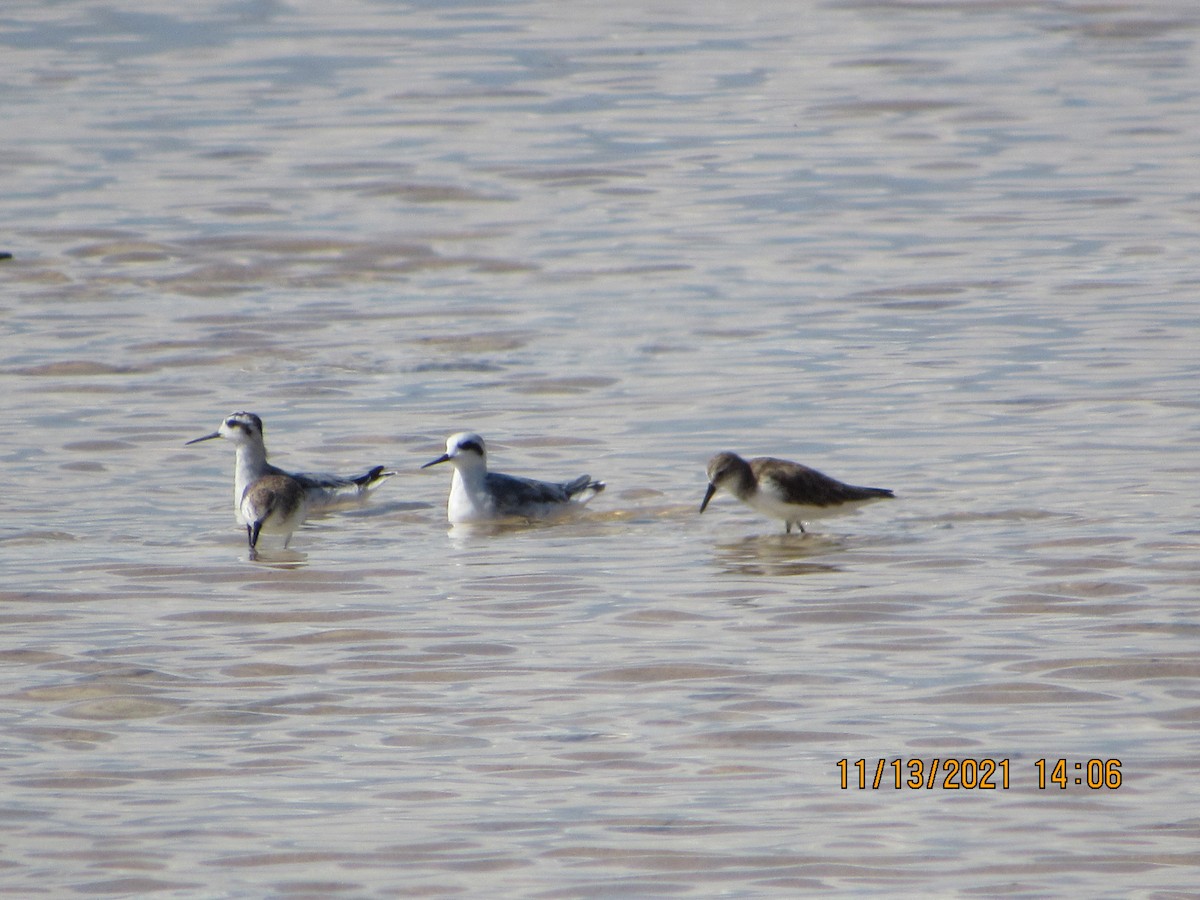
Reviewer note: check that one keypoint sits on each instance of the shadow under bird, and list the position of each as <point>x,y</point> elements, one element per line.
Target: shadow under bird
<point>785,490</point>
<point>477,495</point>
<point>268,500</point>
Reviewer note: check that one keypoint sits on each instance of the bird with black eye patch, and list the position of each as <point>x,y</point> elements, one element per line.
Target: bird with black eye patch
<point>477,495</point>
<point>785,490</point>
<point>268,500</point>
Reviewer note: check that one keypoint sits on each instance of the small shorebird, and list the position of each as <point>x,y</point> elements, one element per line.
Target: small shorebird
<point>477,495</point>
<point>268,500</point>
<point>785,490</point>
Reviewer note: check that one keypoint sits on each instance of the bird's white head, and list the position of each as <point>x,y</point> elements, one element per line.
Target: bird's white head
<point>242,428</point>
<point>465,450</point>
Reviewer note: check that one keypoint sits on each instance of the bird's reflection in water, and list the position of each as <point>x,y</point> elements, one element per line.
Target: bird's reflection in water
<point>467,532</point>
<point>776,554</point>
<point>571,520</point>
<point>278,558</point>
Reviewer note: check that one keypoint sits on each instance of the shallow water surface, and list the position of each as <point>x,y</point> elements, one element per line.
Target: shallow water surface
<point>942,248</point>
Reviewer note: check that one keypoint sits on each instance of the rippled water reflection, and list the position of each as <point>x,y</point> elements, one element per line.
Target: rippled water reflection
<point>945,248</point>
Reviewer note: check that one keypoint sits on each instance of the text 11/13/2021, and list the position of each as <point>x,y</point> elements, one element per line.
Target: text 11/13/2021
<point>983,774</point>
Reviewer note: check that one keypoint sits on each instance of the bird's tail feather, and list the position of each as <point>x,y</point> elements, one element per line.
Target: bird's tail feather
<point>368,480</point>
<point>583,489</point>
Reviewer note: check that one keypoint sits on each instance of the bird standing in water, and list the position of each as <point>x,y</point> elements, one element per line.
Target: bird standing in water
<point>785,490</point>
<point>268,500</point>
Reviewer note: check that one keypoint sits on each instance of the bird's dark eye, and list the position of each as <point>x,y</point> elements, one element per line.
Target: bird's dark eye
<point>471,445</point>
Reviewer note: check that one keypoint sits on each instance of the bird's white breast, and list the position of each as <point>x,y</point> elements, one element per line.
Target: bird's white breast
<point>468,501</point>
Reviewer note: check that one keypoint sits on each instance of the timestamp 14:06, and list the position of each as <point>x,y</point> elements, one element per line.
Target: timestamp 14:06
<point>965,773</point>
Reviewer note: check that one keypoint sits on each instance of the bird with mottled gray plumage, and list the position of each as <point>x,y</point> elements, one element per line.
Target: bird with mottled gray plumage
<point>785,490</point>
<point>268,500</point>
<point>477,495</point>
